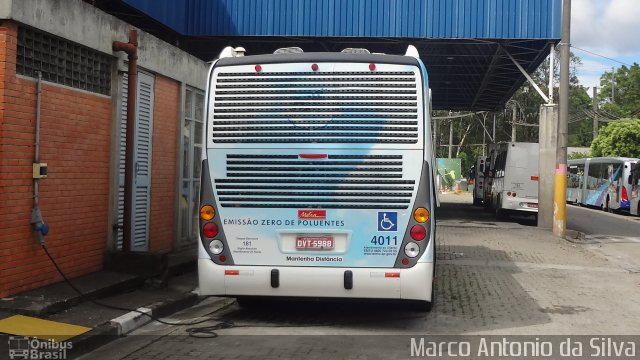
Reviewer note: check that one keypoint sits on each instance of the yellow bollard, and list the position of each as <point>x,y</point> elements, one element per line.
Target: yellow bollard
<point>560,202</point>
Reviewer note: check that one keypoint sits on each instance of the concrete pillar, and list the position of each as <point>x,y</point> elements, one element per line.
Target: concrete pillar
<point>548,138</point>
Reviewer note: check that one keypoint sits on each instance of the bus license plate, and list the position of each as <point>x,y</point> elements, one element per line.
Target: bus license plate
<point>314,243</point>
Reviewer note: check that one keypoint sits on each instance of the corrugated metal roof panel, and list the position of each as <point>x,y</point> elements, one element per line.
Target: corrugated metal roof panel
<point>490,19</point>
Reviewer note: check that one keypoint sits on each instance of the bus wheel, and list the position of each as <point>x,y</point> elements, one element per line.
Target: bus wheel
<point>499,213</point>
<point>247,302</point>
<point>609,209</point>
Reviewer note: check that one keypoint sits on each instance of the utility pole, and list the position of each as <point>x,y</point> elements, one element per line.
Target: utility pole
<point>551,72</point>
<point>513,124</point>
<point>613,85</point>
<point>560,190</point>
<point>435,137</point>
<point>493,135</point>
<point>595,112</point>
<point>484,135</point>
<point>450,137</point>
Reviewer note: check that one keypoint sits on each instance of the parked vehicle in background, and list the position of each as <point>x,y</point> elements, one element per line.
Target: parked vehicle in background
<point>488,176</point>
<point>478,176</point>
<point>604,183</point>
<point>575,181</point>
<point>634,206</point>
<point>514,185</point>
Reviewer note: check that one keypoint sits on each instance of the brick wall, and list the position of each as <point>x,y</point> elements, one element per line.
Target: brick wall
<point>166,124</point>
<point>74,142</point>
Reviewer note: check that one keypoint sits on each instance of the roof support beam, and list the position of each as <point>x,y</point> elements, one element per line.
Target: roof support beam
<point>526,75</point>
<point>487,76</point>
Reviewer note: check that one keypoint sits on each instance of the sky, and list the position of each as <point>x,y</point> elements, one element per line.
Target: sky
<point>609,28</point>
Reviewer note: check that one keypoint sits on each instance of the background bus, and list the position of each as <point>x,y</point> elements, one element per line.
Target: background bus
<point>318,178</point>
<point>634,206</point>
<point>600,182</point>
<point>478,175</point>
<point>515,178</point>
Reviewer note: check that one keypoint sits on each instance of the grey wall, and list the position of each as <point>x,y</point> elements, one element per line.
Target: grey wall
<point>82,23</point>
<point>548,139</point>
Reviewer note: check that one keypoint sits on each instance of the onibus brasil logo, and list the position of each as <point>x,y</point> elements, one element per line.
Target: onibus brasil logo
<point>22,347</point>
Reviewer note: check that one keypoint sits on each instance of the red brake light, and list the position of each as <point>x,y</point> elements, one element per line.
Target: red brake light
<point>258,68</point>
<point>314,67</point>
<point>312,156</point>
<point>418,232</point>
<point>210,230</point>
<point>372,67</point>
<point>624,196</point>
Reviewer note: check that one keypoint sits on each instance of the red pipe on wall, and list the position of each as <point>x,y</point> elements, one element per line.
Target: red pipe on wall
<point>131,49</point>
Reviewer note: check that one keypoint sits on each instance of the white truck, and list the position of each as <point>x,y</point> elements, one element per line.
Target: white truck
<point>514,187</point>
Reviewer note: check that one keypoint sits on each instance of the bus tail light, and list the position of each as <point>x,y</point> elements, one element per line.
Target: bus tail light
<point>207,213</point>
<point>624,196</point>
<point>418,232</point>
<point>421,215</point>
<point>210,230</point>
<point>412,250</point>
<point>216,247</point>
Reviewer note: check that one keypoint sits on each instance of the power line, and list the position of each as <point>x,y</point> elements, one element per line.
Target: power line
<point>602,56</point>
<point>457,116</point>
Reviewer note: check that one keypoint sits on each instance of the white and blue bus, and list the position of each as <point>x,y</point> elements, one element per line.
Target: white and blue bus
<point>602,182</point>
<point>634,207</point>
<point>318,178</point>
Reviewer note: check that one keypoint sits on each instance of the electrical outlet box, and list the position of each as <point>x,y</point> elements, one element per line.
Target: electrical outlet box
<point>39,170</point>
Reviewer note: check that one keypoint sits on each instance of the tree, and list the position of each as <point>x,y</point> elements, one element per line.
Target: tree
<point>620,138</point>
<point>578,155</point>
<point>529,101</point>
<point>620,91</point>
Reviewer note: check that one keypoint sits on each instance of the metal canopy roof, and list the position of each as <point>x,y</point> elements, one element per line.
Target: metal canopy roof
<point>463,43</point>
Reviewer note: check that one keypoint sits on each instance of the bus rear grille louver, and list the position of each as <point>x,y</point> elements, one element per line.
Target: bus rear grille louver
<point>316,107</point>
<point>338,182</point>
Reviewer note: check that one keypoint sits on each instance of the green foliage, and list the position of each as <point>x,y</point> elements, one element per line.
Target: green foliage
<point>620,138</point>
<point>620,91</point>
<point>578,155</point>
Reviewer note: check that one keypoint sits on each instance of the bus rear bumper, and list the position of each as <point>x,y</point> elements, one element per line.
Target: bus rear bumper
<point>520,204</point>
<point>379,283</point>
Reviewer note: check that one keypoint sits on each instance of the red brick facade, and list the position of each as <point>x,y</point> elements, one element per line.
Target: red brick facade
<point>166,111</point>
<point>75,142</point>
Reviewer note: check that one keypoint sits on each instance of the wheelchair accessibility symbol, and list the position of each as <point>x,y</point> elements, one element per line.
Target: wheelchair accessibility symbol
<point>387,221</point>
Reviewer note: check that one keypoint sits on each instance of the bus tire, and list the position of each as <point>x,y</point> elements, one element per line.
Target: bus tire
<point>247,302</point>
<point>499,213</point>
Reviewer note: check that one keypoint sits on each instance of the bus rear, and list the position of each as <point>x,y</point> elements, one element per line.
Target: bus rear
<point>317,179</point>
<point>634,200</point>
